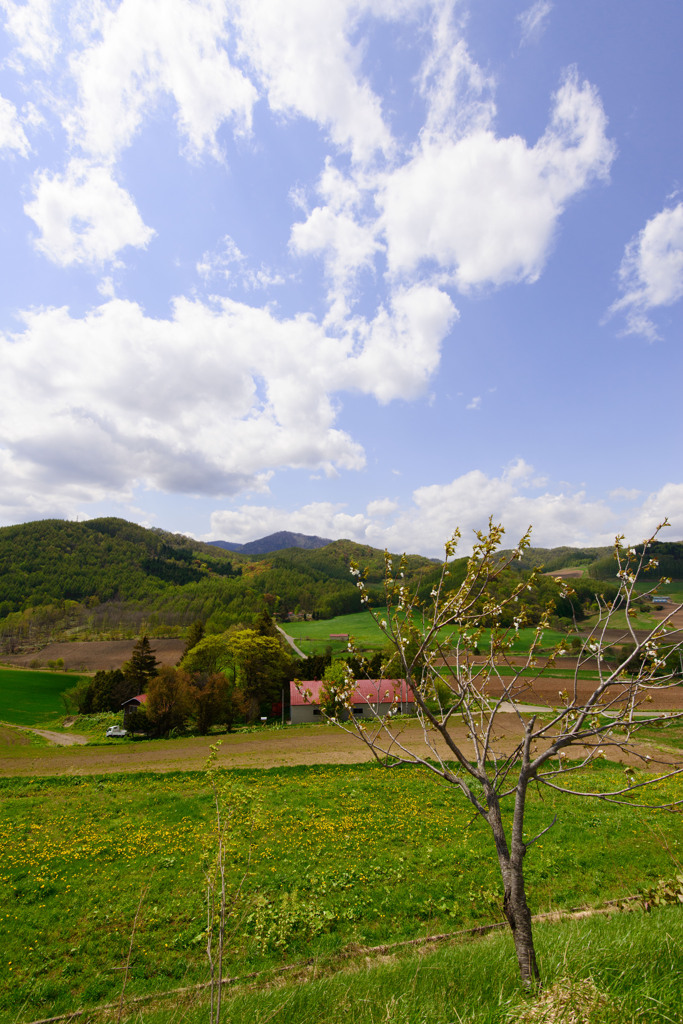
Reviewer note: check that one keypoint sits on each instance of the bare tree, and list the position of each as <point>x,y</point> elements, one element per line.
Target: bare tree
<point>456,656</point>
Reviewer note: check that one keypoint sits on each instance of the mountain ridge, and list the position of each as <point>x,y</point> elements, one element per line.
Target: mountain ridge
<point>278,541</point>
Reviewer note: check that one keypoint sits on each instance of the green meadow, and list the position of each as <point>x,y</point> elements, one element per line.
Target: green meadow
<point>341,856</point>
<point>31,698</point>
<point>313,636</point>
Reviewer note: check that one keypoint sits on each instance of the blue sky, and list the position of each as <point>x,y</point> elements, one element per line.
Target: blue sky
<point>368,268</point>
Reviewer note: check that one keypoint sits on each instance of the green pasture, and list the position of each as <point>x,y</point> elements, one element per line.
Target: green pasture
<point>313,637</point>
<point>674,589</point>
<point>31,698</point>
<point>341,855</point>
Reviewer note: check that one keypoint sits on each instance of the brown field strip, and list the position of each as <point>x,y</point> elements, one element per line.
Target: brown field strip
<point>316,744</point>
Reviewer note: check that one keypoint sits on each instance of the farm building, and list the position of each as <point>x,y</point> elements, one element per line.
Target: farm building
<point>131,705</point>
<point>371,696</point>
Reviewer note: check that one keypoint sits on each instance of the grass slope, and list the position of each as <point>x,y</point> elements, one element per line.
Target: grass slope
<point>620,970</point>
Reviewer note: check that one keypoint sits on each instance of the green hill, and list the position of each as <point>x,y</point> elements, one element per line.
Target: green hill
<point>109,577</point>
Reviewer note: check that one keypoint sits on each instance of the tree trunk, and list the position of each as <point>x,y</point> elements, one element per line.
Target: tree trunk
<point>519,918</point>
<point>515,906</point>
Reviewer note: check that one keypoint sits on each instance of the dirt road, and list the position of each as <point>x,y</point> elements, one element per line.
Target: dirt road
<point>60,739</point>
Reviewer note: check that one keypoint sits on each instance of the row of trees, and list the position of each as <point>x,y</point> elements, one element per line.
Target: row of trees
<point>221,679</point>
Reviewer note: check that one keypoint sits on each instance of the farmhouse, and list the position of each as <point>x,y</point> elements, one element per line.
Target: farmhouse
<point>371,697</point>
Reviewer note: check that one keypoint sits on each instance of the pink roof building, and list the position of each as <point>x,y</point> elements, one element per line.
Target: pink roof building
<point>371,697</point>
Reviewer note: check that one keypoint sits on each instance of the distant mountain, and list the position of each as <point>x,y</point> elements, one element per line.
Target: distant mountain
<point>274,542</point>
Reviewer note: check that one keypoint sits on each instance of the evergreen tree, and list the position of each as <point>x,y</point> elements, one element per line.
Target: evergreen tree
<point>142,665</point>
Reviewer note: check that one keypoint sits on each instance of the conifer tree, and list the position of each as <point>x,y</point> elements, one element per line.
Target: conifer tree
<point>142,665</point>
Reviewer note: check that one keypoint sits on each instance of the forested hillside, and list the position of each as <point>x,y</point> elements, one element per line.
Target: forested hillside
<point>108,577</point>
<point>667,554</point>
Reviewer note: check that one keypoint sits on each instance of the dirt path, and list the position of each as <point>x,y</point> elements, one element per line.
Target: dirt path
<point>290,641</point>
<point>315,744</point>
<point>60,739</point>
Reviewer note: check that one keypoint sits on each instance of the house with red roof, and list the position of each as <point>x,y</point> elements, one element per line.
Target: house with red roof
<point>370,698</point>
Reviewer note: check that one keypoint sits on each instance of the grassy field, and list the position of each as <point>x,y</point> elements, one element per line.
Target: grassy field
<point>313,637</point>
<point>343,854</point>
<point>32,698</point>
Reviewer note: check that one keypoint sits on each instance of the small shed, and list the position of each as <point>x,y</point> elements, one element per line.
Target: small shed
<point>131,705</point>
<point>371,697</point>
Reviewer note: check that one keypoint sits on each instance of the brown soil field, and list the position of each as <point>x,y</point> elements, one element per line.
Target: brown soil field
<point>309,745</point>
<point>91,656</point>
<point>11,737</point>
<point>547,691</point>
<point>565,574</point>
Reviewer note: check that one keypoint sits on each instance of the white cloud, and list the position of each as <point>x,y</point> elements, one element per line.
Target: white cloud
<point>381,508</point>
<point>400,348</point>
<point>12,135</point>
<point>666,503</point>
<point>322,519</point>
<point>625,493</point>
<point>651,273</point>
<point>32,26</point>
<point>144,49</point>
<point>346,239</point>
<point>485,208</point>
<point>228,264</point>
<point>84,216</point>
<point>210,401</point>
<point>557,518</point>
<point>533,21</point>
<point>475,403</point>
<point>458,94</point>
<point>303,54</point>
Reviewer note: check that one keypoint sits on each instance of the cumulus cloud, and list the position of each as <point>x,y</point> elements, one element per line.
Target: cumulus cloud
<point>303,54</point>
<point>485,208</point>
<point>12,135</point>
<point>512,498</point>
<point>651,273</point>
<point>321,518</point>
<point>666,503</point>
<point>400,348</point>
<point>145,49</point>
<point>84,216</point>
<point>209,402</point>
